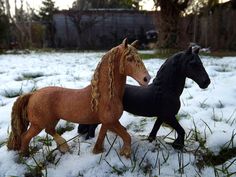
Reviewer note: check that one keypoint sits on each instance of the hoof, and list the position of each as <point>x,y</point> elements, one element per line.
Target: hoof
<point>98,150</point>
<point>64,148</point>
<point>24,153</point>
<point>89,137</point>
<point>178,146</point>
<point>125,151</point>
<point>151,138</point>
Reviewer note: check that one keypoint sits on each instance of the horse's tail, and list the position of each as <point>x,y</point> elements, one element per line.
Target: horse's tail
<point>19,121</point>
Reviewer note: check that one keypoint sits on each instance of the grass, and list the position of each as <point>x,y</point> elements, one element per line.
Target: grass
<point>206,158</point>
<point>165,53</point>
<point>26,51</point>
<point>67,127</point>
<point>16,93</point>
<point>49,156</point>
<point>138,126</point>
<point>224,155</point>
<point>220,53</point>
<point>147,56</point>
<point>29,76</point>
<point>220,104</point>
<point>2,103</point>
<point>223,69</point>
<point>203,104</point>
<point>159,53</point>
<point>140,163</point>
<point>12,94</point>
<point>2,143</point>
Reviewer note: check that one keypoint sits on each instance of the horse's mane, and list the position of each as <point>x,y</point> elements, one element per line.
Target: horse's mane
<point>176,57</point>
<point>95,80</point>
<point>170,62</point>
<point>110,57</point>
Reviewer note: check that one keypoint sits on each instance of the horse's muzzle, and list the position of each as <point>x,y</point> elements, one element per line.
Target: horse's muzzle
<point>205,83</point>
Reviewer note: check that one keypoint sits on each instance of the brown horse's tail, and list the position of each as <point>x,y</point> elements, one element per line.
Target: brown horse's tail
<point>19,122</point>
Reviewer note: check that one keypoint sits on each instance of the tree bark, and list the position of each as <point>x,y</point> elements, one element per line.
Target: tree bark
<point>168,29</point>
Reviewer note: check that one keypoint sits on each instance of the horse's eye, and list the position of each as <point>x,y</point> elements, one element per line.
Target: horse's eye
<point>129,58</point>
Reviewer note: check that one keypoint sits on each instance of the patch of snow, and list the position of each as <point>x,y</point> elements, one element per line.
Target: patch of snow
<point>211,112</point>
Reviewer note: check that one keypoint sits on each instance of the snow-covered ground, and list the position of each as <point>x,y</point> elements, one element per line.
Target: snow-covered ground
<point>208,117</point>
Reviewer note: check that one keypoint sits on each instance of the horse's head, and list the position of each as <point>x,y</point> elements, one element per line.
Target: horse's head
<point>194,68</point>
<point>132,65</point>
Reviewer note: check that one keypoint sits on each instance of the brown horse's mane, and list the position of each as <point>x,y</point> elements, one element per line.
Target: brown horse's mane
<point>110,56</point>
<point>95,80</point>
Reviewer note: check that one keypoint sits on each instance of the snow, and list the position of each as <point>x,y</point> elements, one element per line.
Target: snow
<point>210,112</point>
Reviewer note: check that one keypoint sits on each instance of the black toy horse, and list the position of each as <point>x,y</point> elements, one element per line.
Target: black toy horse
<point>161,98</point>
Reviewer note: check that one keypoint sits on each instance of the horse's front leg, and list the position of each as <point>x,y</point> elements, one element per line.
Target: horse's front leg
<point>152,135</point>
<point>179,142</point>
<point>98,148</point>
<point>121,131</point>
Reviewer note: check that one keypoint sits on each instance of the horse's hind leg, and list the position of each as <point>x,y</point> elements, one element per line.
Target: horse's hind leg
<point>179,142</point>
<point>152,135</point>
<point>26,137</point>
<point>61,142</point>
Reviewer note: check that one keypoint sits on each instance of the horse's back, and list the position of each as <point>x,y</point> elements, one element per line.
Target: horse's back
<point>53,103</point>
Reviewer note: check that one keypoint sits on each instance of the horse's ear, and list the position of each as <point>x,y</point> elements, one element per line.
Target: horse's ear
<point>189,51</point>
<point>135,44</point>
<point>125,43</point>
<point>196,50</point>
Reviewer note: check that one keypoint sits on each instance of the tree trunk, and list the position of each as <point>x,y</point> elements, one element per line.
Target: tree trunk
<point>17,26</point>
<point>168,29</point>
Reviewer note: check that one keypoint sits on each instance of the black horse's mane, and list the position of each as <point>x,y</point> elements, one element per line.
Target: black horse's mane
<point>170,62</point>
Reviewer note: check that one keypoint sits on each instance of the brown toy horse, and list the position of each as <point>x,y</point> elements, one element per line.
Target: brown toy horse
<point>99,102</point>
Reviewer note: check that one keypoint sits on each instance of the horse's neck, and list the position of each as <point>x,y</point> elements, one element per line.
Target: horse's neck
<point>119,84</point>
<point>170,79</point>
<point>118,81</point>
